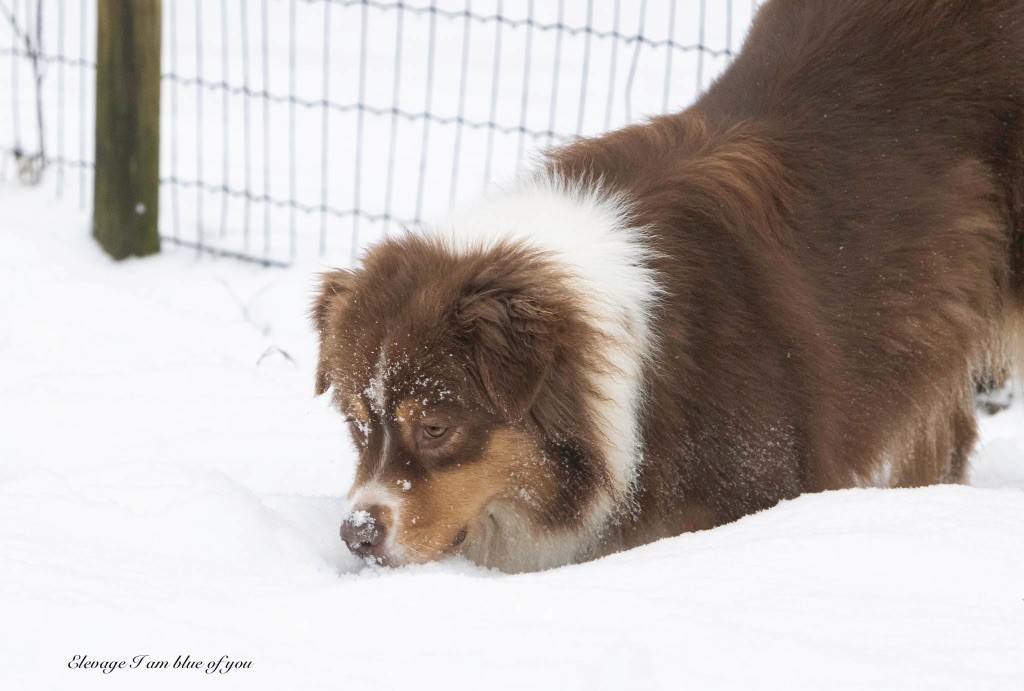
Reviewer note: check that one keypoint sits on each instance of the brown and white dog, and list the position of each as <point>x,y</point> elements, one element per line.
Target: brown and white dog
<point>788,287</point>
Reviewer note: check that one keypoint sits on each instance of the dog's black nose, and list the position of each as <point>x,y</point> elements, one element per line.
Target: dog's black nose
<point>365,531</point>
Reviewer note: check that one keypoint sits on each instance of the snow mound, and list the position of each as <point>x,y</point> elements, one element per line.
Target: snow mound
<point>169,487</point>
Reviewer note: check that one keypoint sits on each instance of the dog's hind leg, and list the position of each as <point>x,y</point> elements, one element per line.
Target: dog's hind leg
<point>964,429</point>
<point>938,449</point>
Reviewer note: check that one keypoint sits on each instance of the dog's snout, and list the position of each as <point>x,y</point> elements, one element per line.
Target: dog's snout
<point>365,531</point>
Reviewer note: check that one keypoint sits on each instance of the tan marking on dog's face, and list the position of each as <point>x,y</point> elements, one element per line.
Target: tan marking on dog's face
<point>446,507</point>
<point>408,416</point>
<point>358,416</point>
<point>358,410</point>
<point>409,410</point>
<point>449,507</point>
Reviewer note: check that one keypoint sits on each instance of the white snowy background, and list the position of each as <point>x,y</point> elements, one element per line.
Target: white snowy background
<point>170,486</point>
<point>450,59</point>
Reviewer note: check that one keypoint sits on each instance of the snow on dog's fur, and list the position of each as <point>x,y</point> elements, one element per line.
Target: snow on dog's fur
<point>789,287</point>
<point>558,283</point>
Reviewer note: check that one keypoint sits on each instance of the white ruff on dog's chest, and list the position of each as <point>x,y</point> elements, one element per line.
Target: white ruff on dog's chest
<point>587,231</point>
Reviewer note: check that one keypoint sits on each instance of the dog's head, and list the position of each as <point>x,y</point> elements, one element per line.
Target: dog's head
<point>462,378</point>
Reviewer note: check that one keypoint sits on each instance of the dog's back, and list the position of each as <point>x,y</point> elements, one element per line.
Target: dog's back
<point>882,88</point>
<point>843,220</point>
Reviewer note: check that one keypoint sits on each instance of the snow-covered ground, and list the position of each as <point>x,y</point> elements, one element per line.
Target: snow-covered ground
<point>169,486</point>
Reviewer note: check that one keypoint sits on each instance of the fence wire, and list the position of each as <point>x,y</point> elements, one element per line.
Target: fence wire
<point>294,129</point>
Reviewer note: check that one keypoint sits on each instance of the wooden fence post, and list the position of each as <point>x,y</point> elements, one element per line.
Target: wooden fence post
<point>127,181</point>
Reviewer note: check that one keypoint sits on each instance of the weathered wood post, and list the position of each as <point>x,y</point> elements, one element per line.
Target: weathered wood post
<point>126,190</point>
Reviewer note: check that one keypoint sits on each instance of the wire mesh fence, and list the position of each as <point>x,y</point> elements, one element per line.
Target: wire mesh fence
<point>301,128</point>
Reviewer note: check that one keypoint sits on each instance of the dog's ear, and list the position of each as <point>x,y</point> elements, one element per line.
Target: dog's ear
<point>333,294</point>
<point>512,339</point>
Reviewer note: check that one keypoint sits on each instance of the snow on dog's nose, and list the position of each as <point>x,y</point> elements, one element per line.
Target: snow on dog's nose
<point>365,531</point>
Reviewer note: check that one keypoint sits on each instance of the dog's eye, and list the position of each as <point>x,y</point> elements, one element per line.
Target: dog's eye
<point>434,431</point>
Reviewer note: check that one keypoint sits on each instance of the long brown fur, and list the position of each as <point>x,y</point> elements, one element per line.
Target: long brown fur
<point>837,226</point>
